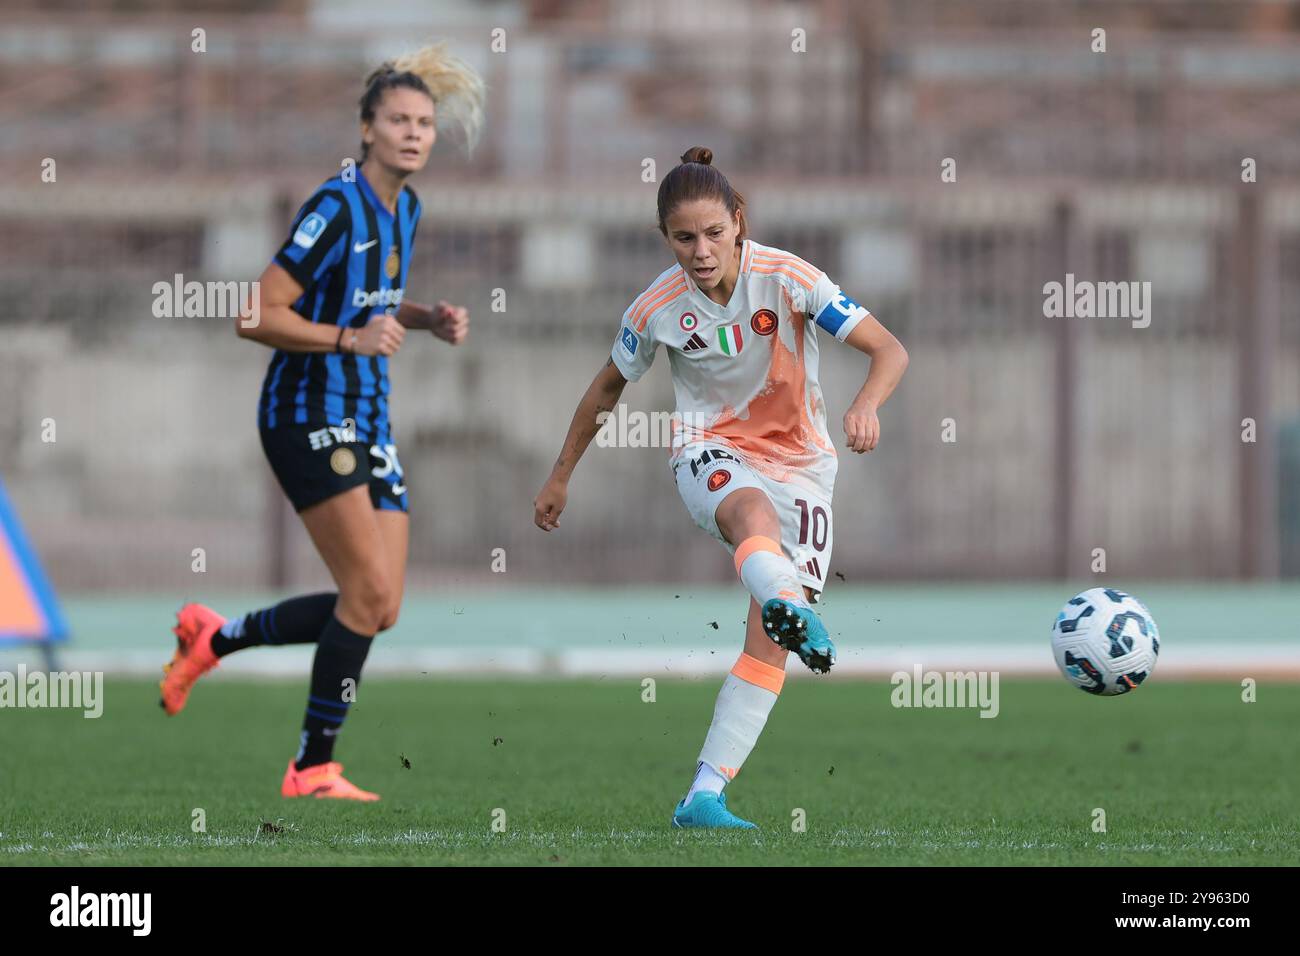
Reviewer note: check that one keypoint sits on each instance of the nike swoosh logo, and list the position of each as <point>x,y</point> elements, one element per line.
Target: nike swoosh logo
<point>399,489</point>
<point>362,247</point>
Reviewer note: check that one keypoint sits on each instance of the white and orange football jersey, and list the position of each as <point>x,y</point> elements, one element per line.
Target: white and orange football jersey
<point>745,374</point>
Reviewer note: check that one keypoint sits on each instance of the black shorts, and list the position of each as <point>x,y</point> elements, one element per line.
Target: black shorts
<point>312,464</point>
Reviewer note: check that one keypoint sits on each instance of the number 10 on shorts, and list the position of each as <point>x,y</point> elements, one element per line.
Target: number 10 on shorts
<point>817,518</point>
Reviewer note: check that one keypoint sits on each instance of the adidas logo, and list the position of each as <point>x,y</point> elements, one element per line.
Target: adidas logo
<point>695,343</point>
<point>814,568</point>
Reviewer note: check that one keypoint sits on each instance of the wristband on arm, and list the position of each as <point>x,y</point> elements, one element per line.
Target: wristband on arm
<point>352,342</point>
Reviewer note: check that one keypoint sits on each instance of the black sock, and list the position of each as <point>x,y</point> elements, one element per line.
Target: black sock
<point>335,674</point>
<point>298,620</point>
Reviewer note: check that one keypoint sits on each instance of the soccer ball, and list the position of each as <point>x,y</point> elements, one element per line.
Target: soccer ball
<point>1105,641</point>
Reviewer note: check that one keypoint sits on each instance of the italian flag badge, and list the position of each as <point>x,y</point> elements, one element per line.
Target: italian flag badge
<point>729,339</point>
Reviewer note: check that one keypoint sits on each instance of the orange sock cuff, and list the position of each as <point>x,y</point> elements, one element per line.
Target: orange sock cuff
<point>753,671</point>
<point>758,542</point>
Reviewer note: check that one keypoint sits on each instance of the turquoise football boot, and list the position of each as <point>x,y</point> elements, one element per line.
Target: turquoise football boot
<point>709,810</point>
<point>800,630</point>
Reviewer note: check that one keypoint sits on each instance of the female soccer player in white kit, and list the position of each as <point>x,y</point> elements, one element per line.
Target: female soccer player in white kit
<point>753,461</point>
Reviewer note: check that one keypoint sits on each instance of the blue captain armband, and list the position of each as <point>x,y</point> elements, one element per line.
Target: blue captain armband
<point>837,312</point>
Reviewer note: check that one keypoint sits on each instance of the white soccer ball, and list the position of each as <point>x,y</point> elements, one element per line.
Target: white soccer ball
<point>1105,641</point>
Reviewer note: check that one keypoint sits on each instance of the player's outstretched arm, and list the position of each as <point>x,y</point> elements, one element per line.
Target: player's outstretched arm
<point>269,319</point>
<point>601,396</point>
<point>888,362</point>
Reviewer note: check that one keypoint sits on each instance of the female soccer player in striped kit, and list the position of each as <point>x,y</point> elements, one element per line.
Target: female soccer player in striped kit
<point>332,308</point>
<point>751,455</point>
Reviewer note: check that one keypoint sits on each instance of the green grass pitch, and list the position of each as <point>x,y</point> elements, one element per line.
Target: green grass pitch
<point>587,773</point>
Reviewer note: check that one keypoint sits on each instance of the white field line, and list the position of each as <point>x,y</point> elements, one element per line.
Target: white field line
<point>1243,660</point>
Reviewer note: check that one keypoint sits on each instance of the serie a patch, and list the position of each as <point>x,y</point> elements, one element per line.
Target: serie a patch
<point>309,230</point>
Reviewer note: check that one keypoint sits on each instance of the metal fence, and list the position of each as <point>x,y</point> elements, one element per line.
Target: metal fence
<point>1018,445</point>
<point>1070,434</point>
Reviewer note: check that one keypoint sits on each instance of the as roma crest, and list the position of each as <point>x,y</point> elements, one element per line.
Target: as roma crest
<point>763,322</point>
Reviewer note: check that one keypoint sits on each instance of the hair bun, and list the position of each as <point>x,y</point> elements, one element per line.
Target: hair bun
<point>698,154</point>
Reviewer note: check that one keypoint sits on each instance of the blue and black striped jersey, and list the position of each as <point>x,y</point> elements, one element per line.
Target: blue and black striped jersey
<point>351,256</point>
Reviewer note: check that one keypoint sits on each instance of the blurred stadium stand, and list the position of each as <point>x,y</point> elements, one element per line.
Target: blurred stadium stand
<point>1071,434</point>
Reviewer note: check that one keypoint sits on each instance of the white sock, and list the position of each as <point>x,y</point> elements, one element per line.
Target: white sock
<point>766,572</point>
<point>706,778</point>
<point>747,697</point>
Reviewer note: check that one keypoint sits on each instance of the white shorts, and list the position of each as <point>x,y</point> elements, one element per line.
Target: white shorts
<point>707,472</point>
